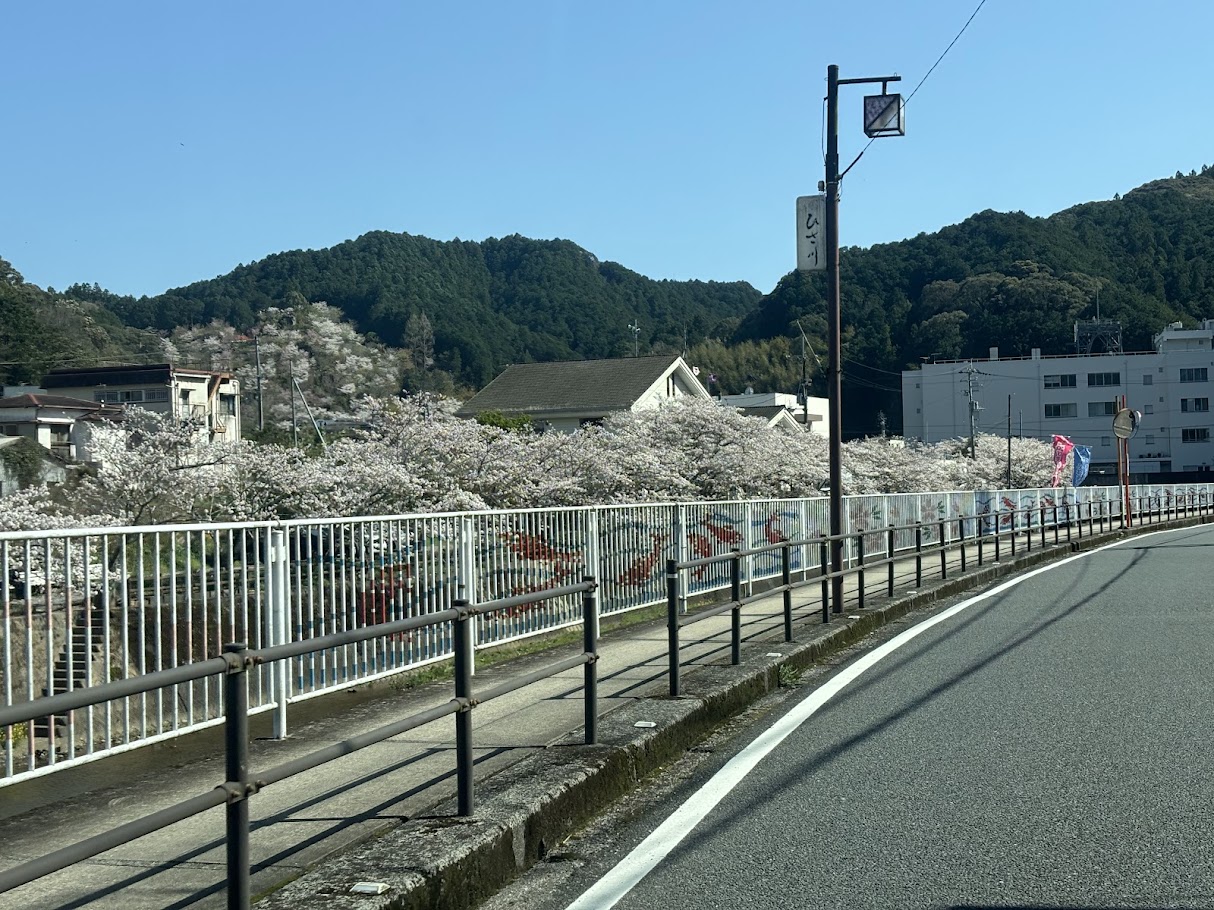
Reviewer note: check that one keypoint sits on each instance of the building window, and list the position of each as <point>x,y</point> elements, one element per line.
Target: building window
<point>1106,440</point>
<point>227,405</point>
<point>1069,409</point>
<point>1149,439</point>
<point>1195,434</point>
<point>9,429</point>
<point>1148,379</point>
<point>1194,405</point>
<point>1104,379</point>
<point>1101,409</point>
<point>1195,374</point>
<point>1148,409</point>
<point>115,396</point>
<point>156,395</point>
<point>1060,381</point>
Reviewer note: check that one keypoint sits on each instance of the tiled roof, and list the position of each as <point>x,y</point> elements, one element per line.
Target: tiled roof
<point>48,401</point>
<point>133,374</point>
<point>591,387</point>
<point>767,412</point>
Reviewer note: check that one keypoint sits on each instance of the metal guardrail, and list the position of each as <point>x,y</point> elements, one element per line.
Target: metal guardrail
<point>78,607</point>
<point>238,661</point>
<point>234,667</point>
<point>1062,519</point>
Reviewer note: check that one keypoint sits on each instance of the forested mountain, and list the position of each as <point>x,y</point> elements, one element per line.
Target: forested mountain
<point>41,329</point>
<point>1008,281</point>
<point>485,305</point>
<point>461,311</point>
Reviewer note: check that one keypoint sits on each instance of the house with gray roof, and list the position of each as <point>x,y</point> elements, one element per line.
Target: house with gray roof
<point>52,421</point>
<point>776,416</point>
<point>567,394</point>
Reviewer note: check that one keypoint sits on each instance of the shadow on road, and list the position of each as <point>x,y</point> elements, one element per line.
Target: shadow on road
<point>723,819</point>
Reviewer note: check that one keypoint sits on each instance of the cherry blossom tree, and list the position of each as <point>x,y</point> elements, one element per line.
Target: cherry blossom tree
<point>414,455</point>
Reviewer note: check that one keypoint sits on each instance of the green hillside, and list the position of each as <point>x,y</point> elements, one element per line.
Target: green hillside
<point>1008,281</point>
<point>41,329</point>
<point>489,304</point>
<point>453,314</point>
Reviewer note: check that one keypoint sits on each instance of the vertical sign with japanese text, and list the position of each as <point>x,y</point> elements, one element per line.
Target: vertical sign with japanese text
<point>811,241</point>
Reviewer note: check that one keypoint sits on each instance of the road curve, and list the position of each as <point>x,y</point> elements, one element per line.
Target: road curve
<point>1049,745</point>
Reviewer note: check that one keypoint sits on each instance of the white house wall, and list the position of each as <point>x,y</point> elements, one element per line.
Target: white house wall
<point>935,406</point>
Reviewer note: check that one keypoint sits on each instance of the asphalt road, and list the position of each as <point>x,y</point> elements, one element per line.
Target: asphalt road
<point>1047,746</point>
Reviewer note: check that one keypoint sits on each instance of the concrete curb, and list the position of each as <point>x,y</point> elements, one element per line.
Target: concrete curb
<point>443,861</point>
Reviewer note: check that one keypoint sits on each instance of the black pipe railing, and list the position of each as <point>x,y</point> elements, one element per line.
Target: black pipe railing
<point>239,786</point>
<point>1020,521</point>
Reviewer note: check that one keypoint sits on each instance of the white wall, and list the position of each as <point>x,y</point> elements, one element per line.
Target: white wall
<point>935,406</point>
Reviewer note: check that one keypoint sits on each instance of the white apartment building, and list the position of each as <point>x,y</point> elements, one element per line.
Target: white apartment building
<point>207,397</point>
<point>812,414</point>
<point>1074,395</point>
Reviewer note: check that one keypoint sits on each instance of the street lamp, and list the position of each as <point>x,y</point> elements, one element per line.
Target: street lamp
<point>884,115</point>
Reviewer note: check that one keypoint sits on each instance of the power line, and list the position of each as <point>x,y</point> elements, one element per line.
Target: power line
<point>874,369</point>
<point>981,4</point>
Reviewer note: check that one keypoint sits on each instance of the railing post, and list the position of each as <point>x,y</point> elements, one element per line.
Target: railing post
<point>1066,509</point>
<point>1055,522</point>
<point>860,569</point>
<point>889,554</point>
<point>1102,505</point>
<point>590,673</point>
<point>463,719</point>
<point>1079,505</point>
<point>786,580</point>
<point>979,523</point>
<point>998,533</point>
<point>280,626</point>
<point>672,623</point>
<point>1042,522</point>
<point>467,581</point>
<point>918,554</point>
<point>236,760</point>
<point>943,553</point>
<point>823,556</point>
<point>1028,530</point>
<point>735,594</point>
<point>961,538</point>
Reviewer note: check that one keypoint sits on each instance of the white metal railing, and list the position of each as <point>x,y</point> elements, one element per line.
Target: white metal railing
<point>79,607</point>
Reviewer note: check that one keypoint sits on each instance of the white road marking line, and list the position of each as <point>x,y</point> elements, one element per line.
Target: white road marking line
<point>624,876</point>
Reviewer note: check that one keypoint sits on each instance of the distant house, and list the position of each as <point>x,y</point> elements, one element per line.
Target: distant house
<point>777,416</point>
<point>810,416</point>
<point>24,463</point>
<point>567,394</point>
<point>52,421</point>
<point>209,397</point>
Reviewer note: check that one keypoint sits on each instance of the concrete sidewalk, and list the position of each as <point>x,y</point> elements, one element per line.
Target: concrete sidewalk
<point>535,781</point>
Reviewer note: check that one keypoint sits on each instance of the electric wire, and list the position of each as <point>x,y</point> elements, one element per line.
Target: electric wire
<point>978,8</point>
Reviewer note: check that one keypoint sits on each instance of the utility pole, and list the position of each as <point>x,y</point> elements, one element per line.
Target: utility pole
<point>261,414</point>
<point>1009,441</point>
<point>294,421</point>
<point>974,407</point>
<point>635,325</point>
<point>834,383</point>
<point>882,117</point>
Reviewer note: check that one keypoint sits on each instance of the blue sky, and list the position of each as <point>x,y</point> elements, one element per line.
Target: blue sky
<point>148,145</point>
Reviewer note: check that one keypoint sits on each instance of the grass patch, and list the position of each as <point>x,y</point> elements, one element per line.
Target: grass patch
<point>789,676</point>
